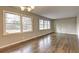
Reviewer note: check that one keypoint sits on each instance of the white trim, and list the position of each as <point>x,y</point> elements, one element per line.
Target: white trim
<point>31,23</point>
<point>45,24</point>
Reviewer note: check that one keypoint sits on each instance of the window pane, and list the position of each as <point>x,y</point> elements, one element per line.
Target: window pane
<point>27,24</point>
<point>41,27</point>
<point>49,25</point>
<point>45,24</point>
<point>41,21</point>
<point>12,23</point>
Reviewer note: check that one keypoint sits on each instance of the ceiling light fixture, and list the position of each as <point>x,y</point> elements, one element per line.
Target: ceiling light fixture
<point>22,8</point>
<point>28,8</point>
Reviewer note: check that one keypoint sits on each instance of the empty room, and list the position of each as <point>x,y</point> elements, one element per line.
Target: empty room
<point>39,29</point>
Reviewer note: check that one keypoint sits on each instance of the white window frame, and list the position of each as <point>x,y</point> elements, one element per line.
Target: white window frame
<point>4,22</point>
<point>31,22</point>
<point>41,24</point>
<point>44,24</point>
<point>49,24</point>
<point>21,25</point>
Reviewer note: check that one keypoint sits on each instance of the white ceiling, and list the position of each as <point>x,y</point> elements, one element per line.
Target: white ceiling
<point>56,12</point>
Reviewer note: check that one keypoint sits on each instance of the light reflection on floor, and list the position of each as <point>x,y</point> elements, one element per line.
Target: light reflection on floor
<point>47,44</point>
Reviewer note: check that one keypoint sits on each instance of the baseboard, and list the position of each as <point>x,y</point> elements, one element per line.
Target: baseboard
<point>67,33</point>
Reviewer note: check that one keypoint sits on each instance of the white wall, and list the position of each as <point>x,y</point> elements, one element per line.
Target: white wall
<point>66,25</point>
<point>78,24</point>
<point>78,28</point>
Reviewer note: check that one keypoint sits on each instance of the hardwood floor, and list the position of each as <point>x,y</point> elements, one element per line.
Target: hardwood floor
<point>52,43</point>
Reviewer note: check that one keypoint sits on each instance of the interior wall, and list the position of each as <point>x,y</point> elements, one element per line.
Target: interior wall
<point>78,24</point>
<point>6,40</point>
<point>78,29</point>
<point>66,25</point>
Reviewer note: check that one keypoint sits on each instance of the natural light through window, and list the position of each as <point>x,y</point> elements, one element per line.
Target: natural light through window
<point>15,23</point>
<point>44,24</point>
<point>27,24</point>
<point>41,24</point>
<point>49,26</point>
<point>12,22</point>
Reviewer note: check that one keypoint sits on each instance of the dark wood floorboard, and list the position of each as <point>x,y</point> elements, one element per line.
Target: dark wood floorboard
<point>52,43</point>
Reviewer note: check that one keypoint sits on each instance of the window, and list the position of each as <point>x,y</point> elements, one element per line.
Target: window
<point>44,24</point>
<point>27,24</point>
<point>12,23</point>
<point>41,26</point>
<point>15,23</point>
<point>49,25</point>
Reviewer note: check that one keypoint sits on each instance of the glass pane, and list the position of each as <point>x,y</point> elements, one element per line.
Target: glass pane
<point>11,16</point>
<point>27,24</point>
<point>41,27</point>
<point>12,23</point>
<point>41,21</point>
<point>45,24</point>
<point>48,24</point>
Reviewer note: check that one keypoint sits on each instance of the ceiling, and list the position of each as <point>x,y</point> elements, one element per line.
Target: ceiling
<point>56,12</point>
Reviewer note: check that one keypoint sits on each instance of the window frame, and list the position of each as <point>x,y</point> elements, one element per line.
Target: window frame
<point>41,24</point>
<point>21,22</point>
<point>4,22</point>
<point>45,24</point>
<point>49,24</point>
<point>22,15</point>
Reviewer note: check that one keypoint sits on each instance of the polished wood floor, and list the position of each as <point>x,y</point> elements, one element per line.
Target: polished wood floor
<point>52,43</point>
